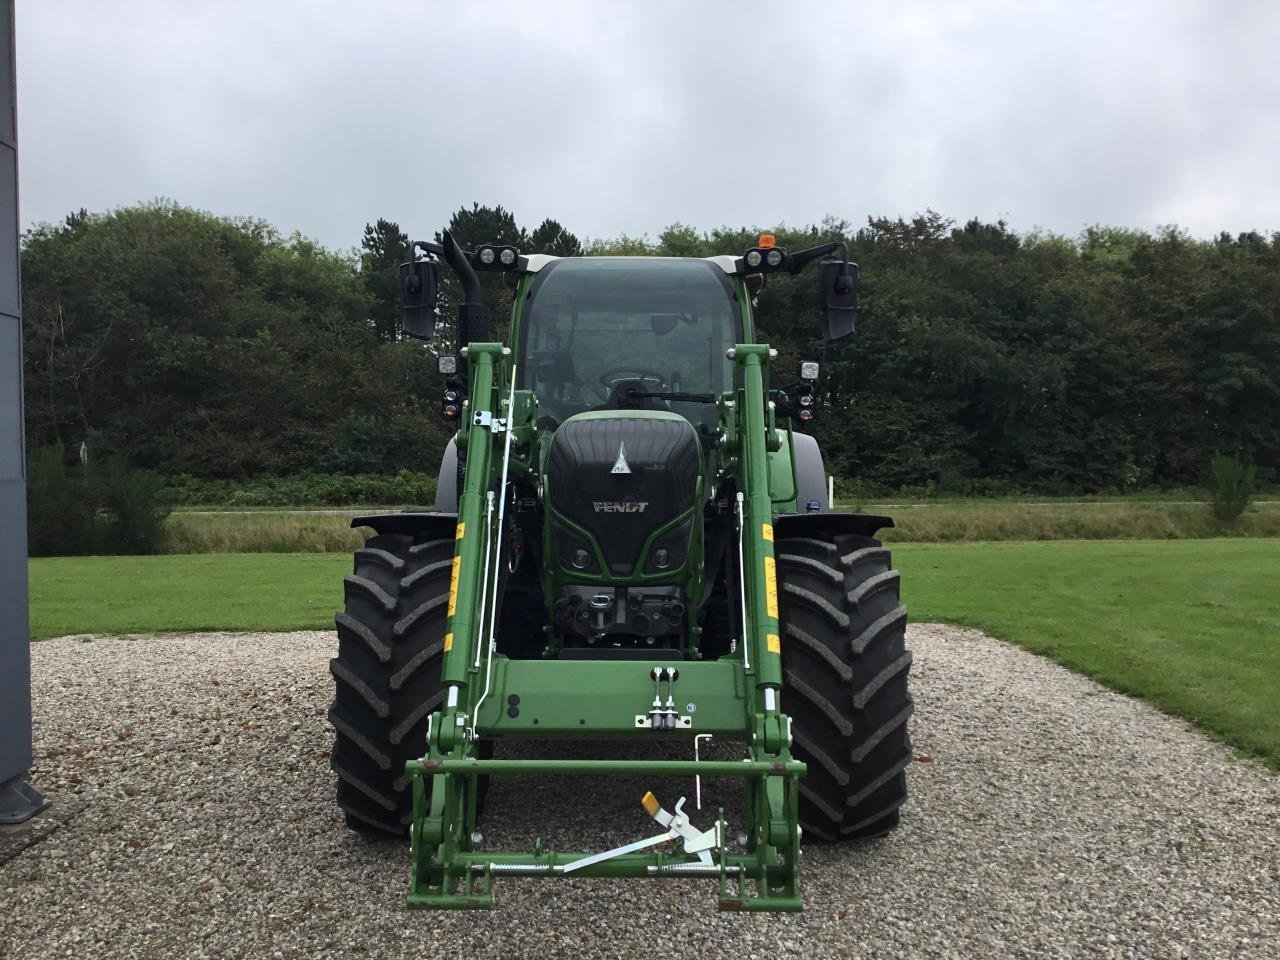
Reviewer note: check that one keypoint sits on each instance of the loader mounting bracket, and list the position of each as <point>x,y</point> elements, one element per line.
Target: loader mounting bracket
<point>449,873</point>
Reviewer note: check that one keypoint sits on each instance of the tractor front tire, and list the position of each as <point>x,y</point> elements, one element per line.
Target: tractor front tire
<point>845,666</point>
<point>387,674</point>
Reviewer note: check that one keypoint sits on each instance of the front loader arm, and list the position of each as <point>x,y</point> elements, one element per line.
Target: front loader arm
<point>469,628</point>
<point>763,646</point>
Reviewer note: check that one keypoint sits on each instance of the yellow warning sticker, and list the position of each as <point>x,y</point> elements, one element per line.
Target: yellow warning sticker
<point>462,528</point>
<point>453,586</point>
<point>766,531</point>
<point>448,642</point>
<point>770,587</point>
<point>774,644</point>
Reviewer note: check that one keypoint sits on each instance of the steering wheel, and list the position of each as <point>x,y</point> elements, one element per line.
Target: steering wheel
<point>615,374</point>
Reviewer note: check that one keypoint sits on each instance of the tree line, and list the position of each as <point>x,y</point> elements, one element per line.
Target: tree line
<point>985,360</point>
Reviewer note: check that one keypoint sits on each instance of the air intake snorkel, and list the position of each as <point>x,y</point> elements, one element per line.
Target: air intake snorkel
<point>473,314</point>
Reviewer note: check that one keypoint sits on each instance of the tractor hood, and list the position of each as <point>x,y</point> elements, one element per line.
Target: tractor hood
<point>624,488</point>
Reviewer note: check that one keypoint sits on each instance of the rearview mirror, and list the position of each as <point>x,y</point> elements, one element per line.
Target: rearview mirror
<point>419,282</point>
<point>839,290</point>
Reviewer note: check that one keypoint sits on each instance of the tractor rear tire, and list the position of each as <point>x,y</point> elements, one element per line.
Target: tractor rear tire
<point>845,666</point>
<point>387,674</point>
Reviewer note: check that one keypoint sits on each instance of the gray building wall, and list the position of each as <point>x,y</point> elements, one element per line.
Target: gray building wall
<point>15,651</point>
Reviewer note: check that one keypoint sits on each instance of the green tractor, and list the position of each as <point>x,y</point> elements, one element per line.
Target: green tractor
<point>630,542</point>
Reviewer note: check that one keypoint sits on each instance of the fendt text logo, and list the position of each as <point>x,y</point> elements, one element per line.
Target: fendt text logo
<point>619,506</point>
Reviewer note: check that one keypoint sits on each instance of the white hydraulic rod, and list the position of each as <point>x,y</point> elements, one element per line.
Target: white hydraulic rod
<point>492,642</point>
<point>484,577</point>
<point>742,586</point>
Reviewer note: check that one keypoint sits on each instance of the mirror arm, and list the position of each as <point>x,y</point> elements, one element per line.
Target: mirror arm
<point>798,261</point>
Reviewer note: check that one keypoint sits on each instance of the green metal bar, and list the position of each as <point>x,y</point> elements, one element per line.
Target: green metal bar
<point>760,575</point>
<point>577,698</point>
<point>482,867</point>
<point>657,768</point>
<point>465,616</point>
<point>625,865</point>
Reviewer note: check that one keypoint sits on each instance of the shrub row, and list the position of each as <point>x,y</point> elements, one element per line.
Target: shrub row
<point>305,490</point>
<point>268,531</point>
<point>1229,483</point>
<point>95,507</point>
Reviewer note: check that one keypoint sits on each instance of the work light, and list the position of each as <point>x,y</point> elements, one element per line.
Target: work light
<point>765,255</point>
<point>491,256</point>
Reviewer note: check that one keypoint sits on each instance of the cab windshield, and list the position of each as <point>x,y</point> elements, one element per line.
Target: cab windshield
<point>598,331</point>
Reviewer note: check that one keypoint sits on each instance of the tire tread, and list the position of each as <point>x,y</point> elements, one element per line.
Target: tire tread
<point>845,670</point>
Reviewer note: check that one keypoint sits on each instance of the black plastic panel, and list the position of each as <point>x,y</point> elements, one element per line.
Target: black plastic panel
<point>662,458</point>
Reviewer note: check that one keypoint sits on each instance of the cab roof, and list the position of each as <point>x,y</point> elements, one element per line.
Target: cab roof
<point>534,262</point>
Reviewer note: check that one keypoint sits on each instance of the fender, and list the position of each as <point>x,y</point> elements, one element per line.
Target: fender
<point>420,524</point>
<point>447,481</point>
<point>811,474</point>
<point>812,524</point>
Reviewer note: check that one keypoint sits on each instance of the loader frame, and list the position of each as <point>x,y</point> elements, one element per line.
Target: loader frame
<point>737,697</point>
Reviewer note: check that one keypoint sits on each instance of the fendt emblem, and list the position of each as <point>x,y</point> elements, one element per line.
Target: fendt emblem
<point>620,465</point>
<point>619,506</point>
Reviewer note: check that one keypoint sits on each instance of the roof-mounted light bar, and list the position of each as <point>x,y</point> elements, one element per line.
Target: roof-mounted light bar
<point>491,256</point>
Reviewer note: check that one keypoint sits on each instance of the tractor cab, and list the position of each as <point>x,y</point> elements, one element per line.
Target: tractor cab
<point>628,333</point>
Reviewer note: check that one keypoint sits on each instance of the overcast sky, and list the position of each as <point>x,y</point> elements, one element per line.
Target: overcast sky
<point>616,117</point>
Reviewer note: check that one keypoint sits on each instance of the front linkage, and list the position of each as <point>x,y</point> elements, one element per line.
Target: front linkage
<point>741,692</point>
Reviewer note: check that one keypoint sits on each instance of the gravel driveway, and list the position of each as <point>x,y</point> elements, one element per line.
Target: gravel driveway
<point>1048,818</point>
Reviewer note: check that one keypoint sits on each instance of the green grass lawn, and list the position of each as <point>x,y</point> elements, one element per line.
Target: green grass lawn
<point>241,591</point>
<point>1193,626</point>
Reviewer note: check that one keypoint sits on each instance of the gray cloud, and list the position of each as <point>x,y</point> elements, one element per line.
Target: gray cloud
<point>612,117</point>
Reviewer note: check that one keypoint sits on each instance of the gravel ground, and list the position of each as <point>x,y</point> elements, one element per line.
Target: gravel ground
<point>1048,818</point>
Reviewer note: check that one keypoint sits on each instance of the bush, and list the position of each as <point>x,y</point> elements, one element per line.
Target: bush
<point>1231,485</point>
<point>87,508</point>
<point>60,512</point>
<point>132,509</point>
<point>952,482</point>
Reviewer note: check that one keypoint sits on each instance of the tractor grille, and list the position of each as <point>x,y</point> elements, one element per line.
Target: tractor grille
<point>623,476</point>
